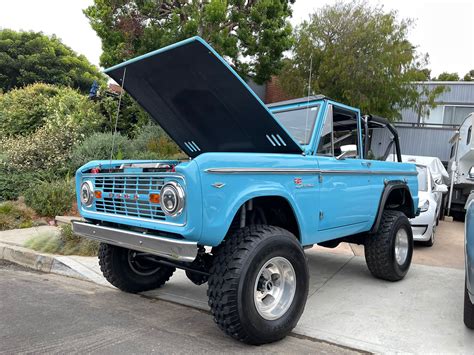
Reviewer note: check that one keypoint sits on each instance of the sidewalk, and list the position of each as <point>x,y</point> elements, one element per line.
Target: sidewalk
<point>346,305</point>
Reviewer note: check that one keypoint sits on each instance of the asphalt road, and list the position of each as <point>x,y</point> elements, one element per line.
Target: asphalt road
<point>46,313</point>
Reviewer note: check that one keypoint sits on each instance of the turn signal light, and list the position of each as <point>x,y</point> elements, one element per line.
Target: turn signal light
<point>155,198</point>
<point>98,194</point>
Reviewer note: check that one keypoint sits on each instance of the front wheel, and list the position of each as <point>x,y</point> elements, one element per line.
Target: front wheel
<point>388,253</point>
<point>132,271</point>
<point>258,284</point>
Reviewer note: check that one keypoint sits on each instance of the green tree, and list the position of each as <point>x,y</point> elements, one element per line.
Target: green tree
<point>359,55</point>
<point>251,34</point>
<point>30,57</point>
<point>445,76</point>
<point>469,76</point>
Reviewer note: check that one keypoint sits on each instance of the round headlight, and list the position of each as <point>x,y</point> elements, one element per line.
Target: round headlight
<point>87,194</point>
<point>172,199</point>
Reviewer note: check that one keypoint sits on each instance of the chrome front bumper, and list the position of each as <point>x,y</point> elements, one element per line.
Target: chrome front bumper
<point>160,246</point>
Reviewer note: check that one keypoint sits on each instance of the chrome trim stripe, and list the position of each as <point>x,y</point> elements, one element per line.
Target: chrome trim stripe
<point>370,172</point>
<point>304,171</point>
<point>164,247</point>
<point>261,171</point>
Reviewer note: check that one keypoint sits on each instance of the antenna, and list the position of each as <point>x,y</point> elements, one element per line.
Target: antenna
<point>309,93</point>
<point>117,115</point>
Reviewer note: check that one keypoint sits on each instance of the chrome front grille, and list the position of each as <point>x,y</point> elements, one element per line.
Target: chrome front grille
<point>128,195</point>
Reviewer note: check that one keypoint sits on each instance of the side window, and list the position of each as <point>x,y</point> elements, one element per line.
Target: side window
<point>468,140</point>
<point>340,132</point>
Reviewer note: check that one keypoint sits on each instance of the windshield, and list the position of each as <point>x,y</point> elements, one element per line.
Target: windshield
<point>422,178</point>
<point>299,122</point>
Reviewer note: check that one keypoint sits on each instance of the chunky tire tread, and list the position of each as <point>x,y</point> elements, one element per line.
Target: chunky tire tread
<point>118,273</point>
<point>378,248</point>
<point>468,310</point>
<point>229,259</point>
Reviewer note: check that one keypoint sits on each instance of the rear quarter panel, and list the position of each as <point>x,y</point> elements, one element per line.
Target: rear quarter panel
<point>385,171</point>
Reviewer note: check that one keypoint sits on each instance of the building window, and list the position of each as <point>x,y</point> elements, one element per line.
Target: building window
<point>456,114</point>
<point>468,140</point>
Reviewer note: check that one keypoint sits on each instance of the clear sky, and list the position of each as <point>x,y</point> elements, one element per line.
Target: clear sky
<point>444,29</point>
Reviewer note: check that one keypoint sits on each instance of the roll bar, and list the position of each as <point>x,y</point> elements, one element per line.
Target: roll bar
<point>372,121</point>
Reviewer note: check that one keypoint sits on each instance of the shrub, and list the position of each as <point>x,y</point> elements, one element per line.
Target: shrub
<point>14,214</point>
<point>47,148</point>
<point>98,147</point>
<point>71,110</point>
<point>22,111</point>
<point>51,198</point>
<point>14,183</point>
<point>151,142</point>
<point>66,243</point>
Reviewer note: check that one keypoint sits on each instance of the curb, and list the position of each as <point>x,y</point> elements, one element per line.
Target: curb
<point>48,263</point>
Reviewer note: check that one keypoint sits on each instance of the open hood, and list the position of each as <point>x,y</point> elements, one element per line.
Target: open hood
<point>201,102</point>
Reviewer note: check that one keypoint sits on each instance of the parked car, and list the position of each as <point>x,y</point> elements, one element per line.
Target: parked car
<point>469,283</point>
<point>262,183</point>
<point>431,197</point>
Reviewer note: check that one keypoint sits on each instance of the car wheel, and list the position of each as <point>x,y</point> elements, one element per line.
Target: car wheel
<point>132,271</point>
<point>468,309</point>
<point>258,284</point>
<point>430,242</point>
<point>388,252</point>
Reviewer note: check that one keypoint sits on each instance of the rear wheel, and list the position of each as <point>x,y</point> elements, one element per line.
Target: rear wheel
<point>388,253</point>
<point>258,284</point>
<point>132,271</point>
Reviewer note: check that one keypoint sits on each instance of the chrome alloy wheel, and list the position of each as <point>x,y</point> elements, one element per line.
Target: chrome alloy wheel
<point>275,288</point>
<point>401,246</point>
<point>140,264</point>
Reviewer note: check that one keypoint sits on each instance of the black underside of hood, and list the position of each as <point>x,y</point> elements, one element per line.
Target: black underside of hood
<point>195,96</point>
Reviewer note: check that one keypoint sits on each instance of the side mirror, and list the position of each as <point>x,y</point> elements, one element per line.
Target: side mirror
<point>441,188</point>
<point>347,151</point>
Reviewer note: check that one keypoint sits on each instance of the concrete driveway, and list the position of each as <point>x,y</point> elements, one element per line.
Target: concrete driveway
<point>347,306</point>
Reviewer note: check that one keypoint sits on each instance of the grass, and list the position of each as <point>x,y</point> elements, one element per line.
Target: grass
<point>15,214</point>
<point>66,243</point>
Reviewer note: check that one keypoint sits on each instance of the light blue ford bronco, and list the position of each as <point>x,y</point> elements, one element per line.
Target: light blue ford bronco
<point>262,183</point>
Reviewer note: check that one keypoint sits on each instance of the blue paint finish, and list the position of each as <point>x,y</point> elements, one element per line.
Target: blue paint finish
<point>469,250</point>
<point>330,198</point>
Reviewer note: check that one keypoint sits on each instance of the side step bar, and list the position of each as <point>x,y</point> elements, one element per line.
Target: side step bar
<point>160,246</point>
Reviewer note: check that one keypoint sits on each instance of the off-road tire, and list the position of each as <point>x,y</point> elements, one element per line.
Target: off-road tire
<point>237,262</point>
<point>468,309</point>
<point>380,247</point>
<point>115,267</point>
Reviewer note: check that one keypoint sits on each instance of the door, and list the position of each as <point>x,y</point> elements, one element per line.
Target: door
<point>345,181</point>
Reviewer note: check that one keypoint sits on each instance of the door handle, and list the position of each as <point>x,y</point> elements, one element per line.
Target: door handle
<point>366,163</point>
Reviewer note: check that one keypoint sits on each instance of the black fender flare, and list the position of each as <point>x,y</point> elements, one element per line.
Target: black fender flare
<point>389,187</point>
